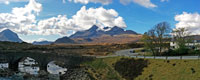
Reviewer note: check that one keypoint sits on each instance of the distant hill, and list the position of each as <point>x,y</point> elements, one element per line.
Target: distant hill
<point>42,42</point>
<point>95,32</point>
<point>8,35</point>
<point>94,35</point>
<point>65,40</point>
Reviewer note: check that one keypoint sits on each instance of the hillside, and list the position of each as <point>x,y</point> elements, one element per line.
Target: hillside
<point>119,68</point>
<point>64,49</point>
<point>65,40</point>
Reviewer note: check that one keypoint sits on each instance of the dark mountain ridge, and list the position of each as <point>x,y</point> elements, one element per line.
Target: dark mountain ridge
<point>94,32</point>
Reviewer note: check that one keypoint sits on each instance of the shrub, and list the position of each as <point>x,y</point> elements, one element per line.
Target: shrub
<point>130,68</point>
<point>177,52</point>
<point>181,51</point>
<point>194,52</point>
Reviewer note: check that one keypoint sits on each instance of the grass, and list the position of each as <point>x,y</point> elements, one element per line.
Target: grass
<point>65,49</point>
<point>101,69</point>
<point>156,69</point>
<point>171,70</point>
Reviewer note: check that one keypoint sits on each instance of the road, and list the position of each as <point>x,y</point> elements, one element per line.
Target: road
<point>127,53</point>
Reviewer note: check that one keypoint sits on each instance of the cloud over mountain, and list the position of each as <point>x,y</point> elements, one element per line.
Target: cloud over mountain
<point>23,20</point>
<point>82,20</point>
<point>190,21</point>
<point>86,18</point>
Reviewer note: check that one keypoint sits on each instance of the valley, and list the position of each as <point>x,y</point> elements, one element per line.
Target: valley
<point>99,40</point>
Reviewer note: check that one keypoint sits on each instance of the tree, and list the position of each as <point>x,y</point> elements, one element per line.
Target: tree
<point>155,39</point>
<point>149,41</point>
<point>182,37</point>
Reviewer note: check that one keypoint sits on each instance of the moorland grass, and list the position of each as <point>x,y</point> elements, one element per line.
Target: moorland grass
<point>156,70</point>
<point>171,70</point>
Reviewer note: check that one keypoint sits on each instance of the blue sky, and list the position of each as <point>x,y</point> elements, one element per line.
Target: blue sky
<point>136,16</point>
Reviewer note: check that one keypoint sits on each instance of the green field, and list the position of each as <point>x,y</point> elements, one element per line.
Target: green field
<point>104,69</point>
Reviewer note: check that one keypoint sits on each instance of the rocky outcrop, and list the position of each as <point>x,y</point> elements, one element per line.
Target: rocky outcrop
<point>76,74</point>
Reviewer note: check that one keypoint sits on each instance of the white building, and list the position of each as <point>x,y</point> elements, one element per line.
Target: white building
<point>28,65</point>
<point>194,44</point>
<point>54,68</point>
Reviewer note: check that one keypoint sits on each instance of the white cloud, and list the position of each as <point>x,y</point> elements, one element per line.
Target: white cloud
<point>164,0</point>
<point>8,1</point>
<point>14,0</point>
<point>125,2</point>
<point>23,20</point>
<point>191,21</point>
<point>41,39</point>
<point>64,1</point>
<point>37,40</point>
<point>55,25</point>
<point>104,2</point>
<point>144,3</point>
<point>101,17</point>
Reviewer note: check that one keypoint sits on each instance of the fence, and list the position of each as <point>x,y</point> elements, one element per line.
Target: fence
<point>156,57</point>
<point>167,57</point>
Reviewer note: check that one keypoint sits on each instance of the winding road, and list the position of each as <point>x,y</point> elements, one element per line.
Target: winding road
<point>128,53</point>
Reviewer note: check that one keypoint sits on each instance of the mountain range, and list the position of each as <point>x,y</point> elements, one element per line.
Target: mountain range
<point>90,36</point>
<point>42,42</point>
<point>95,32</point>
<point>98,36</point>
<point>8,35</point>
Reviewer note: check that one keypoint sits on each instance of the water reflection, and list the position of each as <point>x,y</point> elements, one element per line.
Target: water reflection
<point>28,69</point>
<point>54,67</point>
